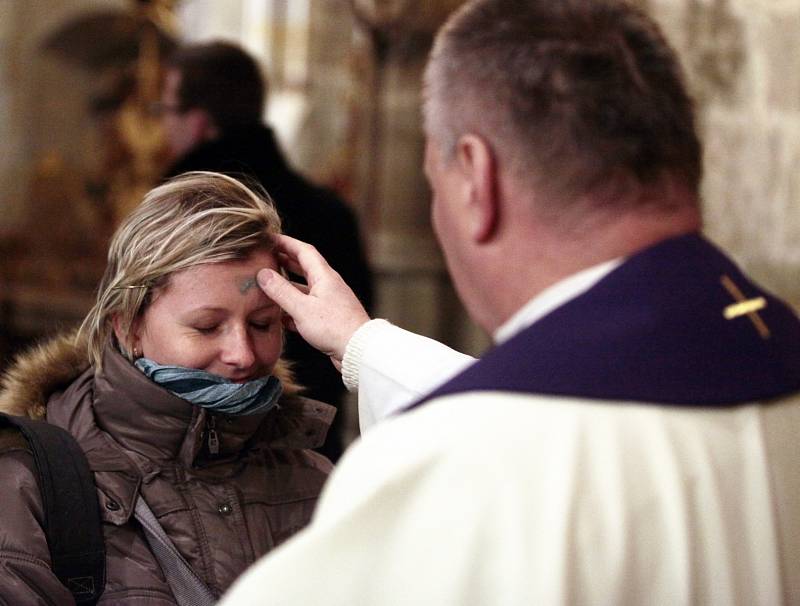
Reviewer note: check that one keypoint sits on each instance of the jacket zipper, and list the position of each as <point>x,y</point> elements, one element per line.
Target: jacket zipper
<point>213,438</point>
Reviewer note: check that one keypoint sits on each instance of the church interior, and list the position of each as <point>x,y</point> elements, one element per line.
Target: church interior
<point>80,144</point>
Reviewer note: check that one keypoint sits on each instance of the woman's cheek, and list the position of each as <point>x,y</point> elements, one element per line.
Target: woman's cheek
<point>197,352</point>
<point>271,348</point>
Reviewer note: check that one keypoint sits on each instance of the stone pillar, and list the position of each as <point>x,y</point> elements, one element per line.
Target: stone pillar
<point>322,148</point>
<point>413,288</point>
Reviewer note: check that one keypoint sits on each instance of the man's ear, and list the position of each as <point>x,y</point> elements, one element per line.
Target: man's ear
<point>201,125</point>
<point>478,164</point>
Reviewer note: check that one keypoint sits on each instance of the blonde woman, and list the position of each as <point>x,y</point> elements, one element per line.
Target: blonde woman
<point>175,390</point>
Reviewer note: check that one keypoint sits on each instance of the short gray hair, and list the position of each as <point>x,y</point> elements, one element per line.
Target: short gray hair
<point>569,93</point>
<point>192,219</point>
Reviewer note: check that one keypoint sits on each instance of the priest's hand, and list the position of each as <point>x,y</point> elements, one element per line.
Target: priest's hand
<point>326,313</point>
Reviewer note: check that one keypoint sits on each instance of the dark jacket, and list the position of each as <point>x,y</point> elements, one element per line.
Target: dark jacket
<point>309,213</point>
<point>222,512</point>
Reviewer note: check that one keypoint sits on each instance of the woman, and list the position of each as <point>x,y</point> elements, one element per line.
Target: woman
<point>175,390</point>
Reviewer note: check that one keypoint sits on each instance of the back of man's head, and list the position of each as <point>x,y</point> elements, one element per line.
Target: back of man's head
<point>578,98</point>
<point>222,79</point>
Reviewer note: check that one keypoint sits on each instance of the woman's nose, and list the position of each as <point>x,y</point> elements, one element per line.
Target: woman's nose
<point>238,350</point>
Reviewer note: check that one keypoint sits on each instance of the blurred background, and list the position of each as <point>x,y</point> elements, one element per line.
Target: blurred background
<point>79,144</point>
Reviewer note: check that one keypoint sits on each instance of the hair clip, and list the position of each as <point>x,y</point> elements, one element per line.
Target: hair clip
<point>129,287</point>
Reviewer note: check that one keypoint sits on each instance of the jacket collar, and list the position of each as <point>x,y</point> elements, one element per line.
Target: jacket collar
<point>146,419</point>
<point>141,416</point>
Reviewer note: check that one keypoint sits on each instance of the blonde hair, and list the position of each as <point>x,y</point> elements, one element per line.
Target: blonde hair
<point>193,219</point>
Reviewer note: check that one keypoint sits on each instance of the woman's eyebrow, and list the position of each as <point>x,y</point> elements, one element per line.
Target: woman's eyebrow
<point>204,312</point>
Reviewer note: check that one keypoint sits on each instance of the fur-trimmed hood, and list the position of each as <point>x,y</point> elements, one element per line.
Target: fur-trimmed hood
<point>41,371</point>
<point>51,366</point>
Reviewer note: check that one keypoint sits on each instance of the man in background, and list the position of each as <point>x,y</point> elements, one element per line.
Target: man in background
<point>212,105</point>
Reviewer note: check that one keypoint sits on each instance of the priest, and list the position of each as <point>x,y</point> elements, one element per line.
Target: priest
<point>630,438</point>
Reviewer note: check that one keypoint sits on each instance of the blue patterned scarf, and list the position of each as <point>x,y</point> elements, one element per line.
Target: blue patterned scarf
<point>214,392</point>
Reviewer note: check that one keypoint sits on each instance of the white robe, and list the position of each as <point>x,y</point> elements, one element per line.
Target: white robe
<point>508,499</point>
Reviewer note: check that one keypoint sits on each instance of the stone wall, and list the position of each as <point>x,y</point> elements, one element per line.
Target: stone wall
<point>742,59</point>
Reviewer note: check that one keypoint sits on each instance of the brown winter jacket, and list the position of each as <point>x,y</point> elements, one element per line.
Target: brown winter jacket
<point>222,512</point>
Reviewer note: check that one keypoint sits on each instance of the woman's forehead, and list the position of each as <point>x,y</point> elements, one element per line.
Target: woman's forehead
<point>207,279</point>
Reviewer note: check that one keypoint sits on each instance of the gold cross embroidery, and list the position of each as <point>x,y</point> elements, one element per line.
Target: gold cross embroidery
<point>745,307</point>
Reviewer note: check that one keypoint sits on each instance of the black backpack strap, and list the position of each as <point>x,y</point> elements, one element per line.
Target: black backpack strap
<point>72,522</point>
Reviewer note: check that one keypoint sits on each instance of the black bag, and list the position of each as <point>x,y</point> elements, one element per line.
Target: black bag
<point>72,522</point>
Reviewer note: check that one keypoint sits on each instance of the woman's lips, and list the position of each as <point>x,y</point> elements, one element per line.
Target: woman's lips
<point>251,375</point>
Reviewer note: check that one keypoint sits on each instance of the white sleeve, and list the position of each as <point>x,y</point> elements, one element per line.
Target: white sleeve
<point>391,367</point>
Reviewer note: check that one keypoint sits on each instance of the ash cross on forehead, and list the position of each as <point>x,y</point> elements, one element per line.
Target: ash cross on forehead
<point>745,307</point>
<point>247,284</point>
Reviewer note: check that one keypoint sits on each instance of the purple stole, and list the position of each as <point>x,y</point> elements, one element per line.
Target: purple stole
<point>676,324</point>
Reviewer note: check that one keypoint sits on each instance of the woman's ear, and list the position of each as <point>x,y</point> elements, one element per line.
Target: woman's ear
<point>127,337</point>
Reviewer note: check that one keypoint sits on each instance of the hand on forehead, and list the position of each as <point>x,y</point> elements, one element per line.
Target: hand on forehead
<point>326,312</point>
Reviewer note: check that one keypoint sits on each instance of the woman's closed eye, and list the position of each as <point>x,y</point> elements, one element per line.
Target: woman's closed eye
<point>206,329</point>
<point>262,325</point>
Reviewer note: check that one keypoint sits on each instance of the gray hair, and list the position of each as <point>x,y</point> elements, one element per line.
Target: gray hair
<point>570,94</point>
